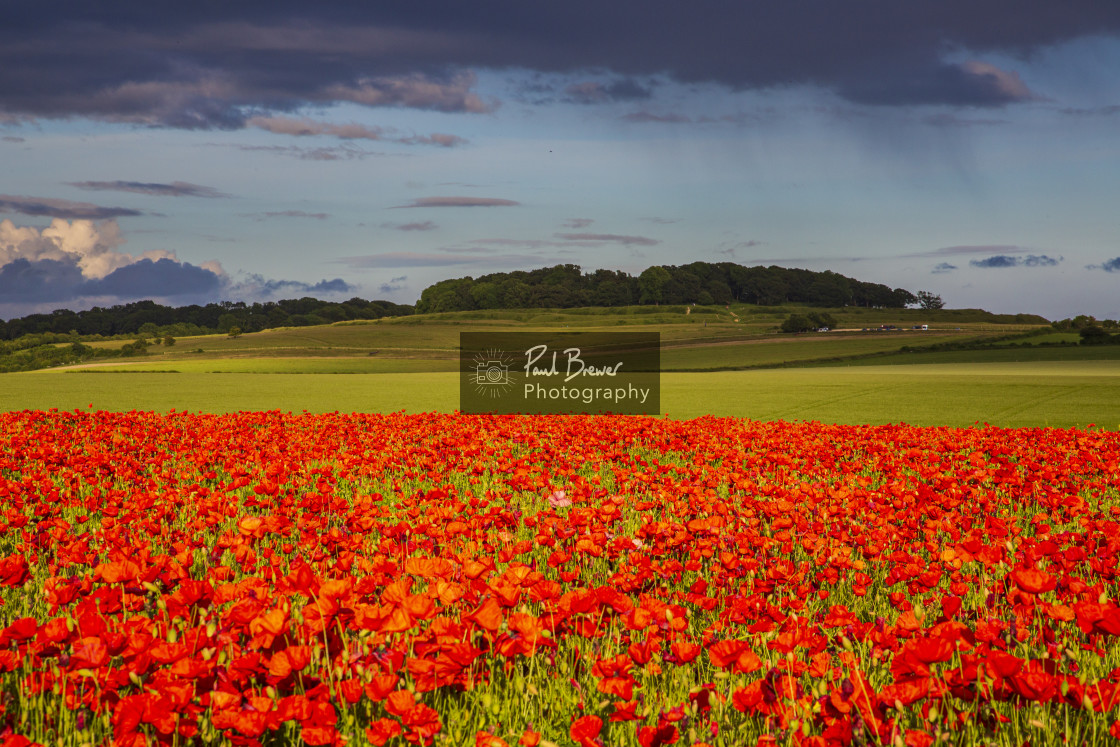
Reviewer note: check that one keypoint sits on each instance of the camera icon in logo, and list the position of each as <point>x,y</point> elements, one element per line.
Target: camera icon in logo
<point>491,373</point>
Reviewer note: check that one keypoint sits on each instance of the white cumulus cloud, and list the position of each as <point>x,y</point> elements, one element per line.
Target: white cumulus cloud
<point>94,246</point>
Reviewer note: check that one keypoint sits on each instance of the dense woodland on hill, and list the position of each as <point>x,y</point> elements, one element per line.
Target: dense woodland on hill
<point>705,283</point>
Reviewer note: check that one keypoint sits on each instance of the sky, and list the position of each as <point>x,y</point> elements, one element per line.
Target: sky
<point>254,151</point>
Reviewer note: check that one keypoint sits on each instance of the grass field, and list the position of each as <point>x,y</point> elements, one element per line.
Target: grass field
<point>682,354</point>
<point>1002,354</point>
<point>774,350</point>
<point>271,365</point>
<point>1059,393</point>
<point>409,363</point>
<point>437,335</point>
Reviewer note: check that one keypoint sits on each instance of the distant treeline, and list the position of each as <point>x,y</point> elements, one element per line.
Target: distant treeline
<point>150,318</point>
<point>705,283</point>
<point>32,352</point>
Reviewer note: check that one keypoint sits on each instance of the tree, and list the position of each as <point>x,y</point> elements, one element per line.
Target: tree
<point>830,289</point>
<point>930,301</point>
<point>683,287</point>
<point>168,341</point>
<point>228,321</point>
<point>651,284</point>
<point>797,323</point>
<point>485,295</point>
<point>234,332</point>
<point>822,319</point>
<point>137,347</point>
<point>720,292</point>
<point>1094,335</point>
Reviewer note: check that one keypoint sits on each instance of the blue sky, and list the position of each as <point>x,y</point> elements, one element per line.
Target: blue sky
<point>275,150</point>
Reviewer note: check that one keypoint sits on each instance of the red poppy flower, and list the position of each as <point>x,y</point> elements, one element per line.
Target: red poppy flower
<point>14,570</point>
<point>486,739</point>
<point>1033,580</point>
<point>382,730</point>
<point>421,723</point>
<point>734,654</point>
<point>656,736</point>
<point>585,730</point>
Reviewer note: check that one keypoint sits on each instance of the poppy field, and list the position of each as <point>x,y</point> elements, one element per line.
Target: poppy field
<point>264,578</point>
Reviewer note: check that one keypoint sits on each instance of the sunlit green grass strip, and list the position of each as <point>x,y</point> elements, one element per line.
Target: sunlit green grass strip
<point>1056,394</point>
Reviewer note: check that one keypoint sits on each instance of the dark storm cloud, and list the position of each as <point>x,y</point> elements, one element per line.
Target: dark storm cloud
<point>609,238</point>
<point>594,92</point>
<point>163,277</point>
<point>1003,260</point>
<point>24,281</point>
<point>286,214</point>
<point>943,267</point>
<point>1112,265</point>
<point>334,153</point>
<point>967,84</point>
<point>394,284</point>
<point>303,127</point>
<point>258,286</point>
<point>215,66</point>
<point>27,284</point>
<point>443,202</point>
<point>174,189</point>
<point>953,251</point>
<point>999,260</point>
<point>426,225</point>
<point>66,209</point>
<point>49,280</point>
<point>1098,111</point>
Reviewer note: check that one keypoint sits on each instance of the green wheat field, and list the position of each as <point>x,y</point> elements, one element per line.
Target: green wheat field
<point>714,362</point>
